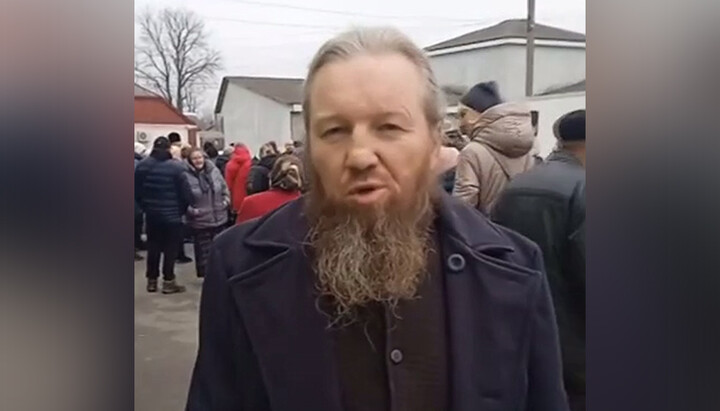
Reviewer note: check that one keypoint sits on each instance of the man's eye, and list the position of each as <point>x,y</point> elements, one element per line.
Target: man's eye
<point>390,127</point>
<point>331,131</point>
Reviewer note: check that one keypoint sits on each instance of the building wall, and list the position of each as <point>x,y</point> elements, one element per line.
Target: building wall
<point>297,126</point>
<point>549,109</point>
<point>253,119</point>
<point>154,131</point>
<point>470,67</point>
<point>506,65</point>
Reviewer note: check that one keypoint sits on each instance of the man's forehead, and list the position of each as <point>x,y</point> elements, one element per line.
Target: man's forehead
<point>386,89</point>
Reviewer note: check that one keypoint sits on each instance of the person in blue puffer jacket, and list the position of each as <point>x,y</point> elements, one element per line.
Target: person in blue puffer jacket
<point>164,195</point>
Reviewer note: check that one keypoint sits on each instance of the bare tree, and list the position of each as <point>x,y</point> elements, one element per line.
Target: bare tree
<point>173,57</point>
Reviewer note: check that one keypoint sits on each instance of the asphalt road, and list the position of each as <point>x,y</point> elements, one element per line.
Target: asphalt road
<point>165,340</point>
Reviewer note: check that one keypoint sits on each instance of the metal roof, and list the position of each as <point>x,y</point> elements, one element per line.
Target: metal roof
<point>566,88</point>
<point>507,29</point>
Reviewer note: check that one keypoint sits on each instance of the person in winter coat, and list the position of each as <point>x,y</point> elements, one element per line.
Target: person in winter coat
<point>453,143</point>
<point>501,137</point>
<point>286,180</point>
<point>207,213</point>
<point>236,174</point>
<point>138,221</point>
<point>447,164</point>
<point>258,180</point>
<point>164,195</point>
<point>547,205</point>
<point>140,154</point>
<point>211,151</point>
<point>375,290</point>
<point>222,159</point>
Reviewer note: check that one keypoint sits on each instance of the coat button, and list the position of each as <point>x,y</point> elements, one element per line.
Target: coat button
<point>396,356</point>
<point>456,262</point>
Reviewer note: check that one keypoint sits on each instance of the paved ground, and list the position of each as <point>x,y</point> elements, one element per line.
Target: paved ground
<point>165,340</point>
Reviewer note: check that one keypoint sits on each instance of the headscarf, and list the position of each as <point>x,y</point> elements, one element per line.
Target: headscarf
<point>287,173</point>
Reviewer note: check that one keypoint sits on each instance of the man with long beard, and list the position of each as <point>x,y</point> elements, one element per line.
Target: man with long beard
<point>375,291</point>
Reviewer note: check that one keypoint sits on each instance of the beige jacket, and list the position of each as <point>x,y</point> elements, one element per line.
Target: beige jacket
<point>500,149</point>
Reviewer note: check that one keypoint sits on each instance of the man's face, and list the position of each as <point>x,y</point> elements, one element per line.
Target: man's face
<point>372,156</point>
<point>370,142</point>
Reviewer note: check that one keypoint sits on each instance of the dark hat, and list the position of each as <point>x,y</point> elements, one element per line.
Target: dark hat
<point>174,137</point>
<point>570,126</point>
<point>482,96</point>
<point>161,143</point>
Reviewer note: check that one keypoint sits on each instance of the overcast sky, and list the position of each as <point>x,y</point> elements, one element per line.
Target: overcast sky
<point>278,37</point>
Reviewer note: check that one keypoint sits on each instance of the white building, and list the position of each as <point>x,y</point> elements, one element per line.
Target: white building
<point>552,104</point>
<point>255,110</point>
<point>499,53</point>
<point>155,117</point>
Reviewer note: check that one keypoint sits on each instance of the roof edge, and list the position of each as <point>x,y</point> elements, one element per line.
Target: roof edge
<point>437,46</point>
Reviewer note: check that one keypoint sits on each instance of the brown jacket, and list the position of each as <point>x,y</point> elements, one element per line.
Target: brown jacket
<point>500,149</point>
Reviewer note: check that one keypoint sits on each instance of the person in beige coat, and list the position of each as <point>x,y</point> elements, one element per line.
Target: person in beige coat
<point>501,138</point>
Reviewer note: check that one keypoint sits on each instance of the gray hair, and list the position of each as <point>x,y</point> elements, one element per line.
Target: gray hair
<point>374,41</point>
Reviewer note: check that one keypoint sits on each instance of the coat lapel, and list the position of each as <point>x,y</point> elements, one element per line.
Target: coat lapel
<point>488,312</point>
<point>288,333</point>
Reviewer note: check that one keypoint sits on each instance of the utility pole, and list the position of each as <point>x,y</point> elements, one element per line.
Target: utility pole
<point>530,49</point>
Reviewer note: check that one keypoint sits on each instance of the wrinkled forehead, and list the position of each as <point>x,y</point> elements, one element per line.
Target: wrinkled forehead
<point>372,83</point>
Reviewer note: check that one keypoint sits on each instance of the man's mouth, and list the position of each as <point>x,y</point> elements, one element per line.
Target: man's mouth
<point>365,193</point>
<point>364,188</point>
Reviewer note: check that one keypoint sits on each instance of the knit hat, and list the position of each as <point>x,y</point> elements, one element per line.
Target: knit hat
<point>482,96</point>
<point>161,143</point>
<point>287,173</point>
<point>570,126</point>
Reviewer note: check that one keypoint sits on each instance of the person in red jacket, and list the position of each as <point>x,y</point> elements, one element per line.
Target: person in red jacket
<point>236,174</point>
<point>285,185</point>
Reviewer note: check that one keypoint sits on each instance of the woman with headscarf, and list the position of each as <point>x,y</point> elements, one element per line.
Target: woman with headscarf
<point>207,214</point>
<point>285,185</point>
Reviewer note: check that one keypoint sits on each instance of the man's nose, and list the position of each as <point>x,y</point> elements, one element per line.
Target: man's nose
<point>361,156</point>
<point>361,159</point>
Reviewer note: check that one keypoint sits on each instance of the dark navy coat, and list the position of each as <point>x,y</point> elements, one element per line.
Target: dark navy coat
<point>161,189</point>
<point>265,346</point>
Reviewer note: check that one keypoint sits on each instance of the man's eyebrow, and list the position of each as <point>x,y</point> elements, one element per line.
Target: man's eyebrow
<point>405,114</point>
<point>325,118</point>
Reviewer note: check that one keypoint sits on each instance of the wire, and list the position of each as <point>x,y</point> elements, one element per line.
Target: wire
<point>269,23</point>
<point>317,26</point>
<point>349,13</point>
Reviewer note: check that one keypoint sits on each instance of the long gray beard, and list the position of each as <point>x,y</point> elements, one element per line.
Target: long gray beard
<point>360,260</point>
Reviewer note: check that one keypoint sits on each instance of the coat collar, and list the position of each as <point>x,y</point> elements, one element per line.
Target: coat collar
<point>288,226</point>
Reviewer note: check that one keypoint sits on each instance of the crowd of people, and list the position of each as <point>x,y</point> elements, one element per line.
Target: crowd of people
<point>413,263</point>
<point>184,192</point>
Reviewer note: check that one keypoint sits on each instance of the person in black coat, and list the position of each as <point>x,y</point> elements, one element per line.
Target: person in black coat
<point>164,195</point>
<point>222,159</point>
<point>138,220</point>
<point>547,205</point>
<point>211,151</point>
<point>375,290</point>
<point>259,177</point>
